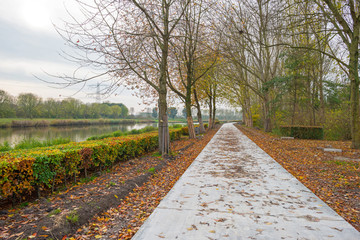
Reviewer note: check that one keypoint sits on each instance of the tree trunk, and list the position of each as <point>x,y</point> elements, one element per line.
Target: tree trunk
<point>214,109</point>
<point>266,117</point>
<point>164,139</point>
<point>201,123</point>
<point>190,121</point>
<point>210,113</point>
<point>354,99</point>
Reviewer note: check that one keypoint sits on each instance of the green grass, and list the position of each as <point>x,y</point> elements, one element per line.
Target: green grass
<point>73,217</point>
<point>121,134</point>
<point>33,143</point>
<point>55,212</point>
<point>88,179</point>
<point>5,147</point>
<point>156,154</point>
<point>45,122</point>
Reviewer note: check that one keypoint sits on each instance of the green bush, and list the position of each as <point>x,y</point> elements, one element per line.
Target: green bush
<point>185,131</point>
<point>303,132</point>
<point>22,171</point>
<point>337,125</point>
<point>175,126</point>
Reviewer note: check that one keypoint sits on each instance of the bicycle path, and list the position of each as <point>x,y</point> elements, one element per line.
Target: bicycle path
<point>234,190</point>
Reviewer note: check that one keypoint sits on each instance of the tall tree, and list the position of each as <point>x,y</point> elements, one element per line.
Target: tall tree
<point>155,112</point>
<point>127,41</point>
<point>345,19</point>
<point>172,112</point>
<point>341,19</point>
<point>191,48</point>
<point>28,104</point>
<point>6,105</point>
<point>250,27</point>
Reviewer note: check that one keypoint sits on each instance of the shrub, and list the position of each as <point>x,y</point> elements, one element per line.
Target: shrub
<point>175,126</point>
<point>337,125</point>
<point>22,171</point>
<point>185,131</point>
<point>303,132</point>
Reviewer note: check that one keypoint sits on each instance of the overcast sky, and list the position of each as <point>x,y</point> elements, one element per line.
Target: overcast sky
<point>29,45</point>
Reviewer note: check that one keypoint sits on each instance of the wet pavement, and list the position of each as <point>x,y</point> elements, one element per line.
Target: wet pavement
<point>234,190</point>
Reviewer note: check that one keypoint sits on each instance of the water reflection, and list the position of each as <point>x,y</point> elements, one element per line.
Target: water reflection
<point>77,133</point>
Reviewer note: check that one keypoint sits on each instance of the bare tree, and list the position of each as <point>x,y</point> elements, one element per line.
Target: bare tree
<point>250,26</point>
<point>344,17</point>
<point>342,23</point>
<point>126,43</point>
<point>192,47</point>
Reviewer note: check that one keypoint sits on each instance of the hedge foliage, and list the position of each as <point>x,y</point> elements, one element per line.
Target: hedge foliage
<point>303,132</point>
<point>185,130</point>
<point>23,171</point>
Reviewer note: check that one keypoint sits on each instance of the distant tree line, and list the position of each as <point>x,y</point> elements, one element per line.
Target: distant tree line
<point>28,105</point>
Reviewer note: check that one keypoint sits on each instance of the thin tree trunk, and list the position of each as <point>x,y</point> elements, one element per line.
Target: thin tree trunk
<point>198,108</point>
<point>214,108</point>
<point>164,141</point>
<point>210,114</point>
<point>266,112</point>
<point>354,100</point>
<point>190,122</point>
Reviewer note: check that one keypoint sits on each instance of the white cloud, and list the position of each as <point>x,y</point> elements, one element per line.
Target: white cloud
<point>38,15</point>
<point>31,67</point>
<point>29,47</point>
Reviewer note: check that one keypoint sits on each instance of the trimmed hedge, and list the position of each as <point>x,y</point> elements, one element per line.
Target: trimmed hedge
<point>185,130</point>
<point>23,171</point>
<point>303,132</point>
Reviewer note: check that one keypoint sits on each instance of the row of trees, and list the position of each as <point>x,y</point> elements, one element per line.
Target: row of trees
<point>28,105</point>
<point>295,62</point>
<point>278,60</point>
<point>221,114</point>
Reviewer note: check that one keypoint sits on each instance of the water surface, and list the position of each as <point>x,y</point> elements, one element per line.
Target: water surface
<point>75,133</point>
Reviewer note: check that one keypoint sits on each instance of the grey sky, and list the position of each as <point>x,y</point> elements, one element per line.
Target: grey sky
<point>29,45</point>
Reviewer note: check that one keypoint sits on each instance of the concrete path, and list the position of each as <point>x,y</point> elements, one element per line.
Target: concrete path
<point>234,190</point>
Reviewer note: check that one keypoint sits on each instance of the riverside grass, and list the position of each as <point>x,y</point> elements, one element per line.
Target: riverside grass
<point>22,123</point>
<point>34,143</point>
<point>132,132</point>
<point>23,171</point>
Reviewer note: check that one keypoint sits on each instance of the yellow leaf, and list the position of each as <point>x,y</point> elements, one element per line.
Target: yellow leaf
<point>98,236</point>
<point>116,196</point>
<point>212,231</point>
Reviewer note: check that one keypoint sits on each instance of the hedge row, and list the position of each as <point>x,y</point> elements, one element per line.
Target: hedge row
<point>185,130</point>
<point>303,132</point>
<point>23,171</point>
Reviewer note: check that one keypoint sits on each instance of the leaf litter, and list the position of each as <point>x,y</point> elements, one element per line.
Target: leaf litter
<point>333,176</point>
